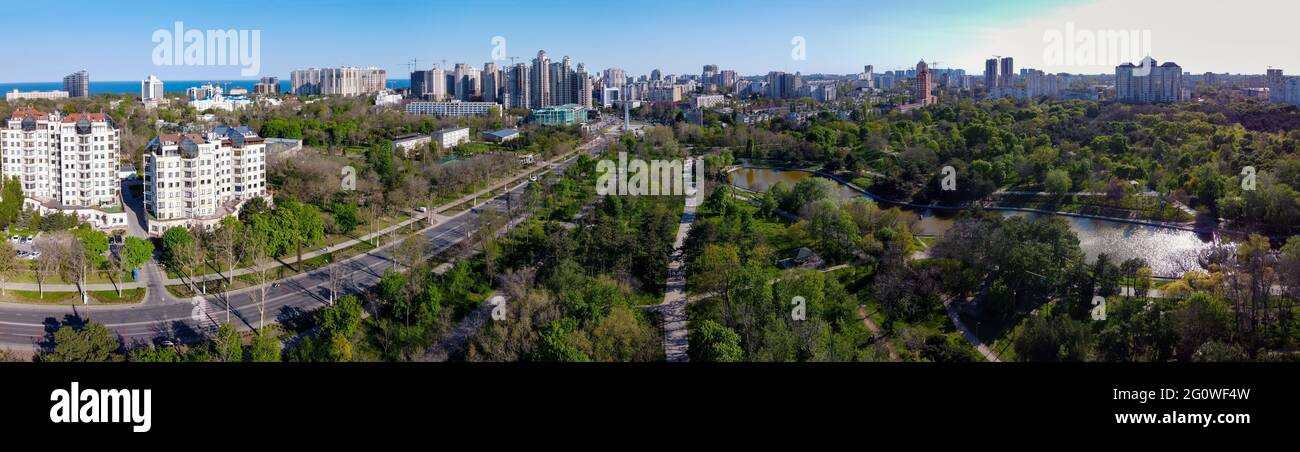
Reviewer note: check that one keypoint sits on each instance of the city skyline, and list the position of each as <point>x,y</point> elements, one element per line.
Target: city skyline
<point>752,38</point>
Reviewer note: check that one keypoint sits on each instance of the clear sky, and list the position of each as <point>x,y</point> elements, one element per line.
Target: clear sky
<point>113,39</point>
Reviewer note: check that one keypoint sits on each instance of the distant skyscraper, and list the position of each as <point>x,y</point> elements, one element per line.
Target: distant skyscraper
<point>342,81</point>
<point>991,74</point>
<point>518,82</point>
<point>77,84</point>
<point>1276,85</point>
<point>615,78</point>
<point>1164,84</point>
<point>656,75</point>
<point>491,83</point>
<point>582,87</point>
<point>430,84</point>
<point>541,81</point>
<point>1007,69</point>
<point>267,86</point>
<point>921,89</point>
<point>467,82</point>
<point>151,89</point>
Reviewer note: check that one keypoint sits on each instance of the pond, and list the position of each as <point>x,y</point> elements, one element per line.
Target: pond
<point>1170,252</point>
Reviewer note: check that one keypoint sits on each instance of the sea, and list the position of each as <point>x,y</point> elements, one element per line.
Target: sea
<point>170,86</point>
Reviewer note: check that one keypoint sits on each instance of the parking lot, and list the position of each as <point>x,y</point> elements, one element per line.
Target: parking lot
<point>25,246</point>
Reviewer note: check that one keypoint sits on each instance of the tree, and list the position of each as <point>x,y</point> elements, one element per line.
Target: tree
<point>8,263</point>
<point>94,342</point>
<point>135,252</point>
<point>224,245</point>
<point>266,347</point>
<point>229,346</point>
<point>11,201</point>
<point>712,342</point>
<point>346,217</point>
<point>1057,181</point>
<point>622,336</point>
<point>50,260</point>
<point>179,249</point>
<point>410,252</point>
<point>83,253</point>
<point>1054,339</point>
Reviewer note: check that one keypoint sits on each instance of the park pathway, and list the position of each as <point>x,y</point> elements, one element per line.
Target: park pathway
<point>673,309</point>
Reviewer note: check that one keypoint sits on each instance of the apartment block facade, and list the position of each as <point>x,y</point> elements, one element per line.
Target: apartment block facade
<point>195,180</point>
<point>65,163</point>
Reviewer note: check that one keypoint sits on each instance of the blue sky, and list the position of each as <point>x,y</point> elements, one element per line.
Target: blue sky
<point>112,39</point>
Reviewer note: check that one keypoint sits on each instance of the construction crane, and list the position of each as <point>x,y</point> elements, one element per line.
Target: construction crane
<point>412,65</point>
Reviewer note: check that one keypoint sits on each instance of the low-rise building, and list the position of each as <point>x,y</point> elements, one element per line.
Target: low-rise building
<point>561,115</point>
<point>708,100</point>
<point>450,138</point>
<point>33,95</point>
<point>410,142</point>
<point>500,136</point>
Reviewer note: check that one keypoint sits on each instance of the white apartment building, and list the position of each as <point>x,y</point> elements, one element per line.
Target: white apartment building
<point>450,138</point>
<point>195,180</point>
<point>23,95</point>
<point>453,108</point>
<point>709,100</point>
<point>65,163</point>
<point>151,89</point>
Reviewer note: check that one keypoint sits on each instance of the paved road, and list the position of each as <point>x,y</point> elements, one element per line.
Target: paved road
<point>23,326</point>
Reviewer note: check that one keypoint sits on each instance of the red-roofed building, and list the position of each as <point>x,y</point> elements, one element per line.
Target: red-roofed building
<point>65,163</point>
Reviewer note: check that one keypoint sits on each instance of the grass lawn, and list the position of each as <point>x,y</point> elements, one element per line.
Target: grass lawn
<point>111,296</point>
<point>32,296</point>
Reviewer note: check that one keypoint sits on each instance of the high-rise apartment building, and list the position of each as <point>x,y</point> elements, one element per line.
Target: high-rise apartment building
<point>430,84</point>
<point>562,82</point>
<point>343,81</point>
<point>491,77</point>
<point>990,74</point>
<point>77,84</point>
<point>1291,87</point>
<point>921,89</point>
<point>540,94</point>
<point>267,86</point>
<point>468,83</point>
<point>1276,85</point>
<point>615,78</point>
<point>195,180</point>
<point>151,89</point>
<point>1006,70</point>
<point>782,85</point>
<point>1161,84</point>
<point>518,83</point>
<point>65,163</point>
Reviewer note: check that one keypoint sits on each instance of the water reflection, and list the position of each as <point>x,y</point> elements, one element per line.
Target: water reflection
<point>1169,252</point>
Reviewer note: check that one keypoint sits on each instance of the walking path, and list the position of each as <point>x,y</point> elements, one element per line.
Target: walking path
<point>877,334</point>
<point>970,337</point>
<point>673,309</point>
